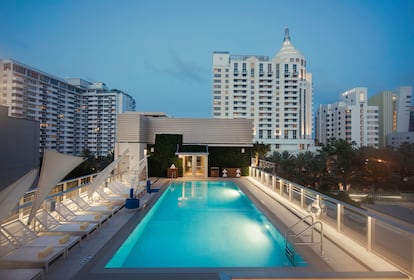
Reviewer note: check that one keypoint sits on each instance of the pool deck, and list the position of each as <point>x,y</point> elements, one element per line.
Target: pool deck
<point>87,261</point>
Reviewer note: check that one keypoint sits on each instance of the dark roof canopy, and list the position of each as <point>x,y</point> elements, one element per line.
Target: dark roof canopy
<point>192,149</point>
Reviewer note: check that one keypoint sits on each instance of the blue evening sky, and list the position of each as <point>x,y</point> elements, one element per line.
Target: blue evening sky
<point>160,52</point>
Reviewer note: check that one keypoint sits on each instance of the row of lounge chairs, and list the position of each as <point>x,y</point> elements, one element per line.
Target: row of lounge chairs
<point>53,233</point>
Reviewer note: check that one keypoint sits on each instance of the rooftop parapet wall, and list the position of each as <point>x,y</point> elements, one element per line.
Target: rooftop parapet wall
<point>134,127</point>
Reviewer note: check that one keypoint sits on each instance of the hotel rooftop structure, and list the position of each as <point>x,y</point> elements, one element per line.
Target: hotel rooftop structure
<point>276,93</point>
<point>72,229</point>
<point>73,114</point>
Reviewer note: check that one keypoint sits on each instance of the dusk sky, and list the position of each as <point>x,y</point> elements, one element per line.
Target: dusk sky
<point>160,52</point>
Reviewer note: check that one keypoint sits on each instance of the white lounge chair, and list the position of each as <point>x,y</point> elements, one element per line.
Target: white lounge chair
<point>22,235</point>
<point>46,224</point>
<point>65,214</point>
<point>117,188</point>
<point>108,208</point>
<point>27,256</point>
<point>108,198</point>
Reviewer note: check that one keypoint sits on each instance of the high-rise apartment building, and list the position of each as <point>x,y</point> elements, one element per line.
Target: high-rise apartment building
<point>66,110</point>
<point>99,107</point>
<point>276,93</point>
<point>35,95</point>
<point>394,111</point>
<point>350,119</point>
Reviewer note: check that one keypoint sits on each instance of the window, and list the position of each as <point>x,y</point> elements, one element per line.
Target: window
<point>7,66</point>
<point>286,68</point>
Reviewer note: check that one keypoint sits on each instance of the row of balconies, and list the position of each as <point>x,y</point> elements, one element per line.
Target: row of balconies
<point>265,86</point>
<point>261,103</point>
<point>265,121</point>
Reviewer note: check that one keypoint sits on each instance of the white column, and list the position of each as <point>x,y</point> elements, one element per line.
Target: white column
<point>369,233</point>
<point>194,165</point>
<point>205,162</point>
<point>302,198</point>
<point>339,210</point>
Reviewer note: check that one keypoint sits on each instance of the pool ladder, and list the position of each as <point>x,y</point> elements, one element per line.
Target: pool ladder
<point>292,240</point>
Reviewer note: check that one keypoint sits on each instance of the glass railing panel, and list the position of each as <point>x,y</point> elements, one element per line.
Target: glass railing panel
<point>354,224</point>
<point>277,186</point>
<point>285,190</point>
<point>296,195</point>
<point>394,244</point>
<point>329,212</point>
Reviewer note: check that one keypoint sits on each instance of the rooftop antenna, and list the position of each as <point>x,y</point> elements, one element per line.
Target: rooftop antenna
<point>287,37</point>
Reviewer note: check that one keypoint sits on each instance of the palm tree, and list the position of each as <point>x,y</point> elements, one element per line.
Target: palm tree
<point>287,165</point>
<point>341,159</point>
<point>260,151</point>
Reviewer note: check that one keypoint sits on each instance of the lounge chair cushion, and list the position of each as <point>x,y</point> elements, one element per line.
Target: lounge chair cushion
<point>45,252</point>
<point>64,239</point>
<point>84,225</point>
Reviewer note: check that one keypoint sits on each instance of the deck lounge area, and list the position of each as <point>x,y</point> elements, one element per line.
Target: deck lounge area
<point>352,248</point>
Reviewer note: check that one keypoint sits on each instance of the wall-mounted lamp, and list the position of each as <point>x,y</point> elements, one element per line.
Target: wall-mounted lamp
<point>242,150</point>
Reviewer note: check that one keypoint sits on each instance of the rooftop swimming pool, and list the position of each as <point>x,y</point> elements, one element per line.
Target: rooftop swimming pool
<point>203,224</point>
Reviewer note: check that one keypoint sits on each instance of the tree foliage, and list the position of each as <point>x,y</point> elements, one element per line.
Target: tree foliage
<point>260,151</point>
<point>340,165</point>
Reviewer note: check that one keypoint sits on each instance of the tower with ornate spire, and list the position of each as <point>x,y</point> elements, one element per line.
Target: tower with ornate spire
<point>276,93</point>
<point>287,37</point>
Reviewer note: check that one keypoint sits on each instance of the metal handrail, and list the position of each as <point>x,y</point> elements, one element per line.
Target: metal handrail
<point>298,222</point>
<point>291,253</point>
<point>312,241</point>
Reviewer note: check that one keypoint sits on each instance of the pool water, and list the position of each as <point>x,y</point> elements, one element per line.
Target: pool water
<point>203,224</point>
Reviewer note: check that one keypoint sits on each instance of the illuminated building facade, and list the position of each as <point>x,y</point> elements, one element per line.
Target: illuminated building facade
<point>394,111</point>
<point>275,93</point>
<point>73,115</point>
<point>351,119</point>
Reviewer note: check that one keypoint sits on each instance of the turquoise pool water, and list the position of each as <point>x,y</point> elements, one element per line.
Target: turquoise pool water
<point>203,224</point>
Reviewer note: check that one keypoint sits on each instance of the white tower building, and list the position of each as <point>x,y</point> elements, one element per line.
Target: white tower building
<point>350,119</point>
<point>99,107</point>
<point>276,93</point>
<point>35,95</point>
<point>74,114</point>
